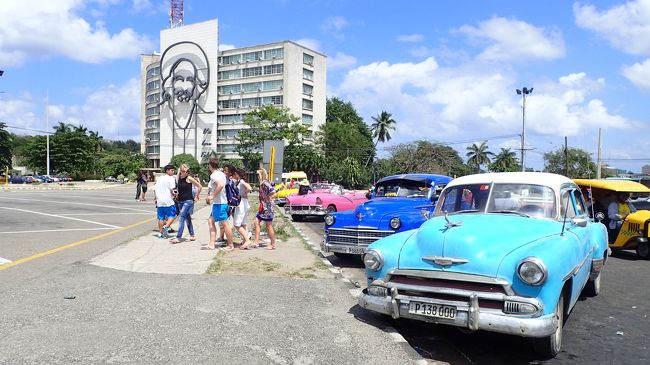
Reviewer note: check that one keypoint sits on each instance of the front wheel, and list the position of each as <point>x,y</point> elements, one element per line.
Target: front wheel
<point>592,288</point>
<point>331,209</point>
<point>643,251</point>
<point>297,217</point>
<point>550,346</point>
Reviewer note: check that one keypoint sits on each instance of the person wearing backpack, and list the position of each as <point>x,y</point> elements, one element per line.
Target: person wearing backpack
<point>241,211</point>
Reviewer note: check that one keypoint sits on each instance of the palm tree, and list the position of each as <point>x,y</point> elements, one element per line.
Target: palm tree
<point>478,155</point>
<point>506,160</point>
<point>380,129</point>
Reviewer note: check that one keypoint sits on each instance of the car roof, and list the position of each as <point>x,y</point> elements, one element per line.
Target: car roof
<point>625,186</point>
<point>427,178</point>
<point>538,178</point>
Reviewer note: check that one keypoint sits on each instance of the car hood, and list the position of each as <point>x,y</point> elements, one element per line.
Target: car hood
<point>372,211</point>
<point>477,243</point>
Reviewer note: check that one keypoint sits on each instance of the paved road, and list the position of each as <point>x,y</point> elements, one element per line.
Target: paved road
<point>612,328</point>
<point>59,309</point>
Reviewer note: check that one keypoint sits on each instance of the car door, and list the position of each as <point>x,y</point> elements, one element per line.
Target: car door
<point>578,225</point>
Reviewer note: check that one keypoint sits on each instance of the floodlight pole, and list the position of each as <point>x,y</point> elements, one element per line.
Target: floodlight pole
<point>523,92</point>
<point>47,127</point>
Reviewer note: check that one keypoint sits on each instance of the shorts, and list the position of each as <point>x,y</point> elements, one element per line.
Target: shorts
<point>219,212</point>
<point>166,212</point>
<point>241,213</point>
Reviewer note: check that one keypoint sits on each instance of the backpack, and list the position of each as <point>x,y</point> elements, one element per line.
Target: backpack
<point>232,193</point>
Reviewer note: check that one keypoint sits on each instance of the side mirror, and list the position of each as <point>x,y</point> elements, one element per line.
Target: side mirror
<point>600,216</point>
<point>579,221</point>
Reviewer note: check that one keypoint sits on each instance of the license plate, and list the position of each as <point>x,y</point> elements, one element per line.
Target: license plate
<point>432,310</point>
<point>356,250</point>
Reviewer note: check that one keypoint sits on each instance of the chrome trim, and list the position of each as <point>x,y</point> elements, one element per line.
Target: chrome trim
<point>472,278</point>
<point>326,247</point>
<point>539,264</point>
<point>578,267</point>
<point>305,209</point>
<point>445,261</point>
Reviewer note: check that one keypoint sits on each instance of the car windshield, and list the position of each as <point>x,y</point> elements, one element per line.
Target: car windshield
<point>528,200</point>
<point>402,188</point>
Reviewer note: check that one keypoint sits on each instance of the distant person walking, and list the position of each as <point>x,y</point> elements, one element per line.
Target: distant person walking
<point>240,216</point>
<point>186,199</point>
<point>165,191</point>
<point>265,211</point>
<point>217,198</point>
<point>141,186</point>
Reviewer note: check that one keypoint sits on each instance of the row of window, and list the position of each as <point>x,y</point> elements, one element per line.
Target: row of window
<point>307,119</point>
<point>153,137</point>
<point>153,85</point>
<point>268,54</point>
<point>154,123</point>
<point>307,104</point>
<point>227,133</point>
<point>154,110</point>
<point>153,149</point>
<point>226,148</point>
<point>250,102</point>
<point>307,59</point>
<point>229,119</point>
<point>251,71</point>
<point>307,74</point>
<point>307,89</point>
<point>153,98</point>
<point>153,72</point>
<point>250,87</point>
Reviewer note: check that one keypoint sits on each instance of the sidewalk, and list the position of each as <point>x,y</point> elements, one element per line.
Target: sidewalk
<point>151,254</point>
<point>74,185</point>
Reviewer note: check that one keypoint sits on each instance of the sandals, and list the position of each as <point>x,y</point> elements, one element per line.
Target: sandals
<point>175,241</point>
<point>208,248</point>
<point>192,238</point>
<point>228,248</point>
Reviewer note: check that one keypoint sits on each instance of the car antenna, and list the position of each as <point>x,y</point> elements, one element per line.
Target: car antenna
<point>566,209</point>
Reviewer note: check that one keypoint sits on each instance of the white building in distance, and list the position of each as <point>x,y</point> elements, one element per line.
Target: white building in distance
<point>194,96</point>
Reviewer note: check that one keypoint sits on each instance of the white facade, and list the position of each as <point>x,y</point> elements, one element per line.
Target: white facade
<point>282,73</point>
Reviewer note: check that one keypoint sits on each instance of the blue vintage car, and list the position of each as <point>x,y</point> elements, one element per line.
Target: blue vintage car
<point>398,203</point>
<point>504,252</point>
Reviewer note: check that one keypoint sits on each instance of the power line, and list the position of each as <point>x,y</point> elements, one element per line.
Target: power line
<point>28,129</point>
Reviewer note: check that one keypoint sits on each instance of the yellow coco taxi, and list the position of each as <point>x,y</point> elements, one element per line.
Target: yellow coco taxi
<point>288,186</point>
<point>626,231</point>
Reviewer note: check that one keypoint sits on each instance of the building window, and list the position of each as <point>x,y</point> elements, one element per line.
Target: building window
<point>153,111</point>
<point>307,104</point>
<point>307,119</point>
<point>273,69</point>
<point>252,71</point>
<point>250,102</point>
<point>227,148</point>
<point>153,85</point>
<point>153,137</point>
<point>230,60</point>
<point>229,119</point>
<point>227,133</point>
<point>154,123</point>
<point>272,85</point>
<point>153,98</point>
<point>229,89</point>
<point>252,56</point>
<point>252,87</point>
<point>153,149</point>
<point>153,72</point>
<point>273,53</point>
<point>274,100</point>
<point>229,104</point>
<point>307,59</point>
<point>307,89</point>
<point>307,74</point>
<point>229,75</point>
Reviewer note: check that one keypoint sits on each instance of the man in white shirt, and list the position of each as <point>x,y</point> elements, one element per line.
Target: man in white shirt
<point>165,190</point>
<point>217,197</point>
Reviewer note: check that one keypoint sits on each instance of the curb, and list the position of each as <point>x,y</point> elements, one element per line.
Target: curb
<point>17,188</point>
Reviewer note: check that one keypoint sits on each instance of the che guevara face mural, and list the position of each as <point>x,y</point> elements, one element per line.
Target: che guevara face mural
<point>184,78</point>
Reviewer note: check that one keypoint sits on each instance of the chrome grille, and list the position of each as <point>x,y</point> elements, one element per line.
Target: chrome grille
<point>354,236</point>
<point>299,208</point>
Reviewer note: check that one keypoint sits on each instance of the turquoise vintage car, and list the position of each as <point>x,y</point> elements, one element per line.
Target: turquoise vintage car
<point>504,252</point>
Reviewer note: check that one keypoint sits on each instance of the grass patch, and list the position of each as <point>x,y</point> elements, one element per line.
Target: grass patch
<point>250,266</point>
<point>217,263</point>
<point>319,264</point>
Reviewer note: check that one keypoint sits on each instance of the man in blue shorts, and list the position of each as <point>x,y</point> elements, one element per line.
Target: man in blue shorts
<point>164,191</point>
<point>217,197</point>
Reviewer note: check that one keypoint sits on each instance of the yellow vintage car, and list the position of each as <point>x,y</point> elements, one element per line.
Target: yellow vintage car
<point>634,232</point>
<point>288,186</point>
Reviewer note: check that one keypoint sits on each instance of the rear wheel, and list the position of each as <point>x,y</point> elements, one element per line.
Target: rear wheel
<point>550,346</point>
<point>643,250</point>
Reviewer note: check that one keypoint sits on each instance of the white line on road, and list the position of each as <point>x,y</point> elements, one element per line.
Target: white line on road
<point>60,216</point>
<point>4,261</point>
<point>56,230</point>
<point>73,203</point>
<point>102,213</point>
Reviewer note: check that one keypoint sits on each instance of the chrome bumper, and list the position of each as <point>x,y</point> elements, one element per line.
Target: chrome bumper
<point>350,249</point>
<point>468,316</point>
<point>316,210</point>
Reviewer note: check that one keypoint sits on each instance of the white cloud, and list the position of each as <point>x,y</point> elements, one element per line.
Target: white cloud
<point>411,38</point>
<point>44,28</point>
<point>310,43</point>
<point>334,24</point>
<point>340,60</point>
<point>515,40</point>
<point>625,26</point>
<point>470,100</point>
<point>638,74</point>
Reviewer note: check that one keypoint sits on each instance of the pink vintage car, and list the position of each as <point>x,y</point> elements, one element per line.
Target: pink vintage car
<point>323,201</point>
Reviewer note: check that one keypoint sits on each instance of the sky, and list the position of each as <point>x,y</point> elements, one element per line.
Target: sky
<point>447,71</point>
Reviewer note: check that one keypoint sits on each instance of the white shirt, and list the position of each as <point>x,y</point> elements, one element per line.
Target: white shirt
<point>220,198</point>
<point>163,189</point>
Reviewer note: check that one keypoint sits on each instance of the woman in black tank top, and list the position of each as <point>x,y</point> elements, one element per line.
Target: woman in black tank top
<point>186,202</point>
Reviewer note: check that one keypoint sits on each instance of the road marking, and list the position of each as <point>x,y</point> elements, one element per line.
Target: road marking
<point>4,261</point>
<point>77,214</point>
<point>60,216</point>
<point>71,245</point>
<point>74,203</point>
<point>57,230</point>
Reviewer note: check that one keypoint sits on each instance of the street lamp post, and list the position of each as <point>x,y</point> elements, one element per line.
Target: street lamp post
<point>523,92</point>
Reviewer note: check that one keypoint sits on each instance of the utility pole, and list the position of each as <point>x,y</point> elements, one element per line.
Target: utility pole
<point>47,128</point>
<point>600,132</point>
<point>566,156</point>
<point>523,92</point>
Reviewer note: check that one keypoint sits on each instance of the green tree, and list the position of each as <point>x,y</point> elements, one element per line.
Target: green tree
<point>115,163</point>
<point>478,155</point>
<point>304,157</point>
<point>381,128</point>
<point>580,163</point>
<point>505,161</point>
<point>34,153</point>
<point>189,160</point>
<point>427,157</point>
<point>6,148</point>
<point>268,123</point>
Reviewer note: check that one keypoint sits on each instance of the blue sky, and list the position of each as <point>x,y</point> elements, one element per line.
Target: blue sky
<point>446,70</point>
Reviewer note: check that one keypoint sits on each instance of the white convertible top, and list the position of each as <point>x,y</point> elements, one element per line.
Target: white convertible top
<point>553,181</point>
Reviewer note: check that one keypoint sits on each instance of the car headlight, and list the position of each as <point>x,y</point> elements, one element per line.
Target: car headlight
<point>329,220</point>
<point>373,260</point>
<point>395,223</point>
<point>532,271</point>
